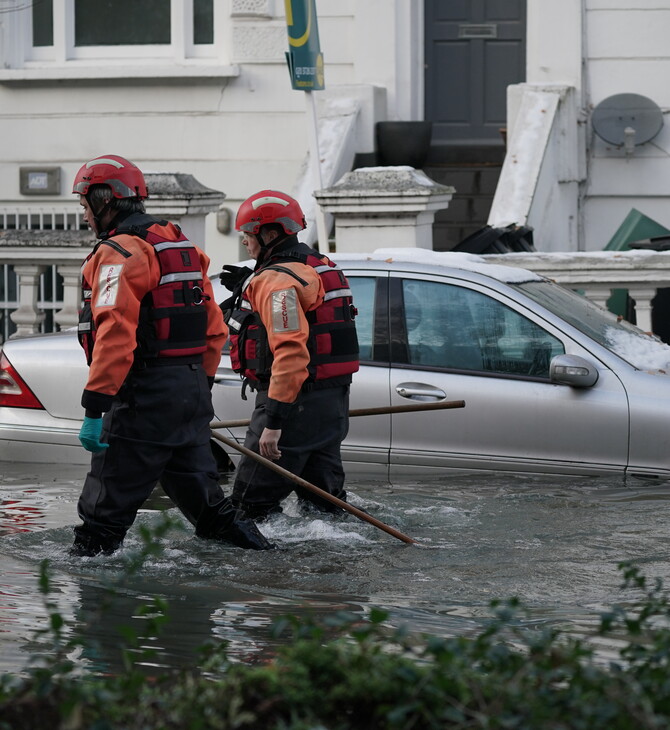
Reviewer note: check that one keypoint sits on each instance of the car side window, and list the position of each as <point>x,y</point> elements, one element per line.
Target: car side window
<point>363,290</point>
<point>458,328</point>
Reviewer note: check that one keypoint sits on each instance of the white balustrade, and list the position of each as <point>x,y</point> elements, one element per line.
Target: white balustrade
<point>27,317</point>
<point>365,214</point>
<point>596,274</point>
<point>384,207</point>
<point>179,197</point>
<point>68,315</point>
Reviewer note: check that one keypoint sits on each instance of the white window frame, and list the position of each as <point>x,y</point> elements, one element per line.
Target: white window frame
<point>19,53</point>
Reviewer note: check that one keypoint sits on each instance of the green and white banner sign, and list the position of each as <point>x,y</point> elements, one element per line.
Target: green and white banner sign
<point>304,57</point>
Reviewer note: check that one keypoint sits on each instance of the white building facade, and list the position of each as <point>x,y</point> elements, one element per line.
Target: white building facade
<point>223,110</point>
<point>202,87</point>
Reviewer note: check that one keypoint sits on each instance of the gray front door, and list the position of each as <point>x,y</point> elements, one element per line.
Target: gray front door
<point>474,49</point>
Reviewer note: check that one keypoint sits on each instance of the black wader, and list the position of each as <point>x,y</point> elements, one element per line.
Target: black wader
<point>157,429</point>
<point>310,445</point>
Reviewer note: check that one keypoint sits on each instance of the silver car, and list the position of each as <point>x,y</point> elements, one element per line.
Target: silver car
<point>552,383</point>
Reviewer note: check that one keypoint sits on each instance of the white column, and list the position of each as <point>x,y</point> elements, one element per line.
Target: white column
<point>27,317</point>
<point>384,207</point>
<point>643,297</point>
<point>180,198</point>
<point>598,294</point>
<point>68,316</point>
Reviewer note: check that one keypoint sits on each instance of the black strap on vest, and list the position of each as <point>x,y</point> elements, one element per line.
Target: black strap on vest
<point>137,224</point>
<point>116,246</point>
<point>283,269</point>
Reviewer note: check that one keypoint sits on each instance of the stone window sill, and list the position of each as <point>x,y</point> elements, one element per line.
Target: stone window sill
<point>141,71</point>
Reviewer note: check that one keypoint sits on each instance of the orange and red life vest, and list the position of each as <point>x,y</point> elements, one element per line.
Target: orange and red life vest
<point>332,342</point>
<point>172,321</point>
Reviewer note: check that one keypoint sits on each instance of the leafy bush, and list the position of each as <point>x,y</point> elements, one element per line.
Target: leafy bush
<point>349,674</point>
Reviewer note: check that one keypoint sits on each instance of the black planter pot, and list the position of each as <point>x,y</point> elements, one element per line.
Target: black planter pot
<point>403,143</point>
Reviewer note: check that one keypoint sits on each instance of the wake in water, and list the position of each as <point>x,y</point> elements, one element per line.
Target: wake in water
<point>183,553</point>
<point>323,565</point>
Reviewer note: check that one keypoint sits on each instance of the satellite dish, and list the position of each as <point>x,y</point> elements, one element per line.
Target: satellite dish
<point>627,120</point>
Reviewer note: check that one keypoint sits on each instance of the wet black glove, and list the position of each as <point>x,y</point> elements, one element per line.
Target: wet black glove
<point>231,276</point>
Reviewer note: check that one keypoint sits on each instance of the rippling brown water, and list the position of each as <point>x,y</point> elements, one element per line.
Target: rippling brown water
<point>553,542</point>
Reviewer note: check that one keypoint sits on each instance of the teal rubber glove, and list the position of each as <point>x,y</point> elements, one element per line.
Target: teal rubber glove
<point>90,435</point>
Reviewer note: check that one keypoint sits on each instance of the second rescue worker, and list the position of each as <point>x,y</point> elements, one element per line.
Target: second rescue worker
<point>293,339</point>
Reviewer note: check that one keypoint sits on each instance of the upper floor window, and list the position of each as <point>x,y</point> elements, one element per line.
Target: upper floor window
<point>61,31</point>
<point>121,23</point>
<point>43,23</point>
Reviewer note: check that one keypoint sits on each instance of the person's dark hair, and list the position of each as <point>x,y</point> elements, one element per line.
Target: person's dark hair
<point>277,227</point>
<point>99,195</point>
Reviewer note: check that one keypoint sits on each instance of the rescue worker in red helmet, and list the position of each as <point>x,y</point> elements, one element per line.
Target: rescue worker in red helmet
<point>293,340</point>
<point>152,334</point>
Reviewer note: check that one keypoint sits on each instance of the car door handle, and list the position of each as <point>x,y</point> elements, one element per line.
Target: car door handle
<point>419,390</point>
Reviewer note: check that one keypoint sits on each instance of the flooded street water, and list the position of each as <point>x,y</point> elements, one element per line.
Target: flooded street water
<point>554,542</point>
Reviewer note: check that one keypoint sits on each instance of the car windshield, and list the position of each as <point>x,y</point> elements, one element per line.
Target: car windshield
<point>621,337</point>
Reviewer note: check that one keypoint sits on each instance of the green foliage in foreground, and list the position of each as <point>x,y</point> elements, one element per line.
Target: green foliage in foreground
<point>349,674</point>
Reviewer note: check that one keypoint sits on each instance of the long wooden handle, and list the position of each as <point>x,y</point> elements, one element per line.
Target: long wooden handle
<point>313,488</point>
<point>380,411</point>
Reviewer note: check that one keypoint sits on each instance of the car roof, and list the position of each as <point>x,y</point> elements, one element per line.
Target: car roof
<point>425,261</point>
<point>418,260</point>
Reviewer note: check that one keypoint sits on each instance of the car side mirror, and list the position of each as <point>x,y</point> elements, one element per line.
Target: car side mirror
<point>572,370</point>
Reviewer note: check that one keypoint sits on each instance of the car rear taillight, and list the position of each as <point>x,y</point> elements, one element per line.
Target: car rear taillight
<point>13,391</point>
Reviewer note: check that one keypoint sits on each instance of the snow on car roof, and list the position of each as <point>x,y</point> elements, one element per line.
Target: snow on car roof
<point>453,259</point>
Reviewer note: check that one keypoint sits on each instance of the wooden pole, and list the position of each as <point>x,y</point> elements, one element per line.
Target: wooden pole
<point>380,411</point>
<point>313,488</point>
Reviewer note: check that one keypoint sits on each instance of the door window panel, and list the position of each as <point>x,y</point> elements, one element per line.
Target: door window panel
<point>453,327</point>
<point>363,290</point>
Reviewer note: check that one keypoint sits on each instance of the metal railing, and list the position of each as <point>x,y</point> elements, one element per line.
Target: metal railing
<point>44,218</point>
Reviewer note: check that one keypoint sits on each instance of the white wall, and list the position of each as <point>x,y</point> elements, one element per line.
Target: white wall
<point>554,45</point>
<point>628,52</point>
<point>246,128</point>
<point>603,48</point>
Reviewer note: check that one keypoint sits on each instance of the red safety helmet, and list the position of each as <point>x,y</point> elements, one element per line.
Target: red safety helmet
<point>125,179</point>
<point>270,206</point>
